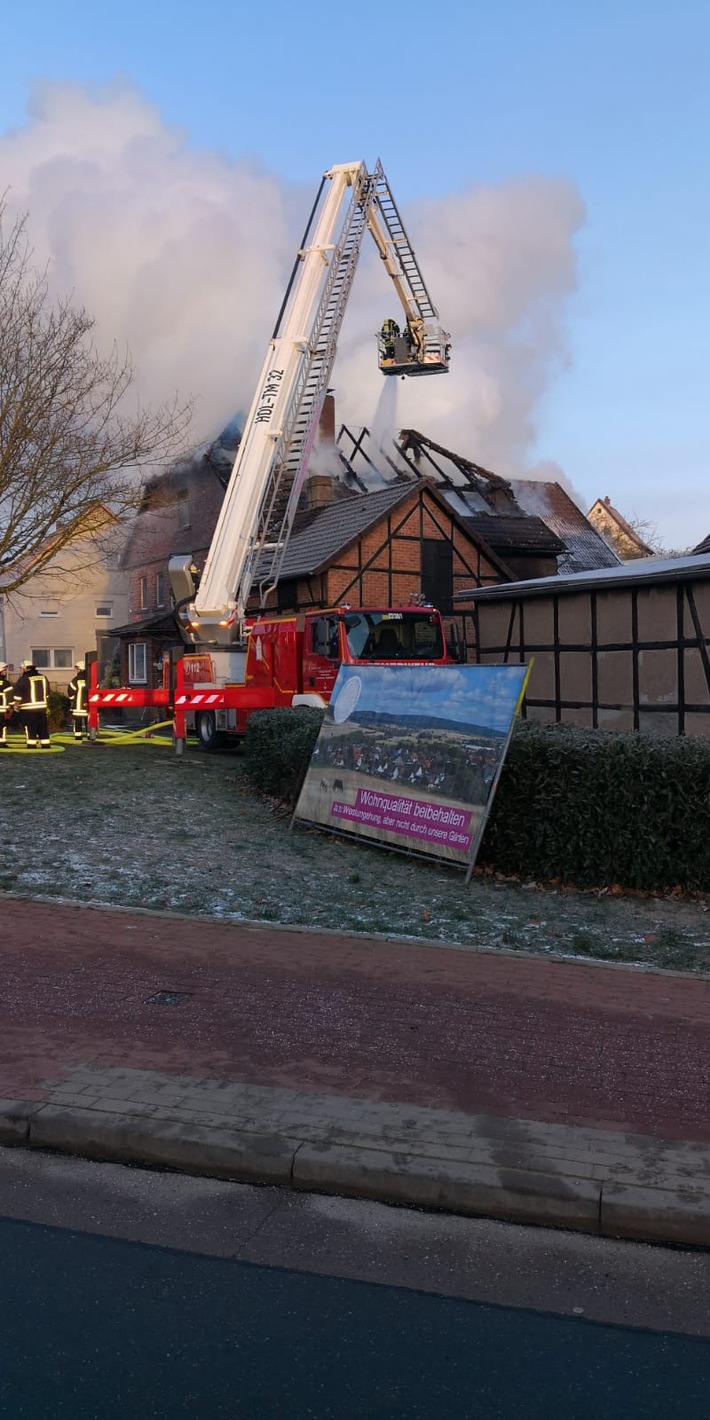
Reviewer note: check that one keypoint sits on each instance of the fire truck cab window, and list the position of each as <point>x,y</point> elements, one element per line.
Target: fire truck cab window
<point>388,636</point>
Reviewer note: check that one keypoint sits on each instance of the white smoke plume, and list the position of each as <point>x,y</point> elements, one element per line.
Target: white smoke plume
<point>183,256</point>
<point>179,255</point>
<point>500,266</point>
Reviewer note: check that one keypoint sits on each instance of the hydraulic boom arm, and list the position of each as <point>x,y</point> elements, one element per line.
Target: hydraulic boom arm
<point>259,505</point>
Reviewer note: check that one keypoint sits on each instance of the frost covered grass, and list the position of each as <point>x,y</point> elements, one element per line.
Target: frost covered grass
<point>134,826</point>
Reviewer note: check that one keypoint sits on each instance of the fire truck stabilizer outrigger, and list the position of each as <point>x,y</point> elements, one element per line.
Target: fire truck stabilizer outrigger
<point>234,662</point>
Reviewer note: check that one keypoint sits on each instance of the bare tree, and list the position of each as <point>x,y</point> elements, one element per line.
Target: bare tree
<point>71,444</point>
<point>648,532</point>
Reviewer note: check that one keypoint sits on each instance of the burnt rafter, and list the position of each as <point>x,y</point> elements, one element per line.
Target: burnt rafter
<point>410,440</point>
<point>351,474</point>
<point>358,448</point>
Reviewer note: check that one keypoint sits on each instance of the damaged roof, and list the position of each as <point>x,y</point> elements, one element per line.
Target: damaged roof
<point>507,534</point>
<point>509,513</point>
<point>586,549</point>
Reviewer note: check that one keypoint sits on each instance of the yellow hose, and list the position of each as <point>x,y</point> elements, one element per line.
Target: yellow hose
<point>145,734</point>
<point>19,747</point>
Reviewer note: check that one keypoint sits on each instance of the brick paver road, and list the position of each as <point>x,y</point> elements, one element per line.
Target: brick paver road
<point>399,1022</point>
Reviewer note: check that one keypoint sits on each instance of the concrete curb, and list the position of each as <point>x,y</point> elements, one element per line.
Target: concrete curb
<point>262,924</point>
<point>518,1195</point>
<point>567,1198</point>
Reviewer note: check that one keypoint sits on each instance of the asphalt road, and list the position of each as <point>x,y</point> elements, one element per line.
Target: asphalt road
<point>126,1293</point>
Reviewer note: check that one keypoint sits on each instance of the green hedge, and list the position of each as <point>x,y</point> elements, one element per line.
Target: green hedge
<point>594,808</point>
<point>589,808</point>
<point>277,747</point>
<point>57,710</point>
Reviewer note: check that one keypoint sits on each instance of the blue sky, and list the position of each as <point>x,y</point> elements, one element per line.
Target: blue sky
<point>607,100</point>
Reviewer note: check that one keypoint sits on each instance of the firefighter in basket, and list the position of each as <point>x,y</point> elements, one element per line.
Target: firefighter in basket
<point>6,704</point>
<point>389,333</point>
<point>31,696</point>
<point>78,703</point>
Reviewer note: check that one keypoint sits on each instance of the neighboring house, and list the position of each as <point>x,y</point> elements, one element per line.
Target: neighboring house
<point>177,517</point>
<point>617,532</point>
<point>703,546</point>
<point>55,616</point>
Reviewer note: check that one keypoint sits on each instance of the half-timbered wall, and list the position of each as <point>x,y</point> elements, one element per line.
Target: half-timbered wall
<point>385,566</point>
<point>626,658</point>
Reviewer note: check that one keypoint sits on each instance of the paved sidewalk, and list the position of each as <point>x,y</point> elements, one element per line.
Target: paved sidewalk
<point>515,1086</point>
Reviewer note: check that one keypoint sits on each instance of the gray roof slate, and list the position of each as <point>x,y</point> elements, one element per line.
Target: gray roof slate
<point>321,534</point>
<point>586,548</point>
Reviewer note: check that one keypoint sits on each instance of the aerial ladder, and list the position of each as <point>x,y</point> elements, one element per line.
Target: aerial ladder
<point>259,506</point>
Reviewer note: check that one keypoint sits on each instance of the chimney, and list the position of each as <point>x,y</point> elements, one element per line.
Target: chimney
<point>317,491</point>
<point>326,423</point>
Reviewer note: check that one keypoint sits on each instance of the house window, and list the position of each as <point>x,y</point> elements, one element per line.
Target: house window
<point>160,589</point>
<point>137,663</point>
<point>142,593</point>
<point>104,609</point>
<point>183,511</point>
<point>47,659</point>
<point>287,594</point>
<point>47,612</point>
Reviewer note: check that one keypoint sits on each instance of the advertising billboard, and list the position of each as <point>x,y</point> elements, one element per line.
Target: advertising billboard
<point>410,756</point>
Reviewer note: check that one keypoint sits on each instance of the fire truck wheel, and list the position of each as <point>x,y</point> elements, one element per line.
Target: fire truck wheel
<point>207,732</point>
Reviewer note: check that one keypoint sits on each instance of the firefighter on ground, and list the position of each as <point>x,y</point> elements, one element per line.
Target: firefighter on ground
<point>6,704</point>
<point>78,703</point>
<point>30,695</point>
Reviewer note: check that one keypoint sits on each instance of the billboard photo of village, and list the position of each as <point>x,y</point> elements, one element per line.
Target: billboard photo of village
<point>410,755</point>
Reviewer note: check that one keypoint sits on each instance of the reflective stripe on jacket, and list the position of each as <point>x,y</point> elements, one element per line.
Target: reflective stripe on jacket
<point>76,690</point>
<point>6,694</point>
<point>31,692</point>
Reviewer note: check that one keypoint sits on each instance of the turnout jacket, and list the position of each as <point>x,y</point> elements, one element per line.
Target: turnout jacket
<point>7,694</point>
<point>31,691</point>
<point>76,691</point>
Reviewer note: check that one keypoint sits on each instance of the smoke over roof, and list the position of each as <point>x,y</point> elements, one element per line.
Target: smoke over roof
<point>183,256</point>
